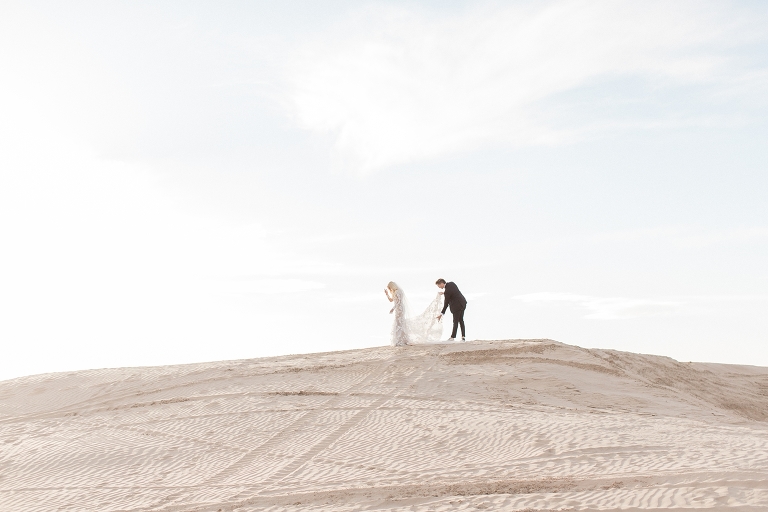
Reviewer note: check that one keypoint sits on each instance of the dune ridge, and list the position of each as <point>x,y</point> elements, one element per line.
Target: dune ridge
<point>503,425</point>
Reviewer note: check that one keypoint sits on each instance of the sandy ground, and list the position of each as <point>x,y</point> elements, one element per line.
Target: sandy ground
<point>512,425</point>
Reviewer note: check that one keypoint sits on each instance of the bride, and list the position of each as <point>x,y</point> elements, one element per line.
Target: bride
<point>412,330</point>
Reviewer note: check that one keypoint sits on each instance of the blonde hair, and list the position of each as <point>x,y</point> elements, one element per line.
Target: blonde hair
<point>393,286</point>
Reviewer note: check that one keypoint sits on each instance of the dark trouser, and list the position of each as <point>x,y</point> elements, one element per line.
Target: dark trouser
<point>458,320</point>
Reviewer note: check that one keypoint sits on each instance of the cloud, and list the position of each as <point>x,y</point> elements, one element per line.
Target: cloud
<point>688,236</point>
<point>608,308</point>
<point>271,286</point>
<point>404,86</point>
<point>612,308</point>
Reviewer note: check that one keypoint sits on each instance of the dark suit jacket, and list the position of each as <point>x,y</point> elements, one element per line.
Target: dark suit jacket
<point>453,298</point>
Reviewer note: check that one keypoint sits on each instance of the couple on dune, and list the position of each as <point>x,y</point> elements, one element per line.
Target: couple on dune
<point>426,327</point>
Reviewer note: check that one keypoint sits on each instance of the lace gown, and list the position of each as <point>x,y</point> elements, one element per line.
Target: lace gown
<point>400,334</point>
<point>414,330</point>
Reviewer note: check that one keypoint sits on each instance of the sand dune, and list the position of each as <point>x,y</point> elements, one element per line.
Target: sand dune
<point>512,425</point>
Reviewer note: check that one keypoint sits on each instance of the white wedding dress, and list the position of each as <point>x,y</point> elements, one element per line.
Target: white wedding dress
<point>414,330</point>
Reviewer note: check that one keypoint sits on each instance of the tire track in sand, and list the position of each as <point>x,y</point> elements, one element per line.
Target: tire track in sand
<point>330,439</point>
<point>284,436</point>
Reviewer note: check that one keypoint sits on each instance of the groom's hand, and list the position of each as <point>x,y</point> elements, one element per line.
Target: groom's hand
<point>439,316</point>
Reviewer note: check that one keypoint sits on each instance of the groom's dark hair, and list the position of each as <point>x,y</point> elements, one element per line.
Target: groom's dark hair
<point>439,281</point>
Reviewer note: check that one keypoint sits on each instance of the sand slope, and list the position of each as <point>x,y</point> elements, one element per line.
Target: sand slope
<point>513,425</point>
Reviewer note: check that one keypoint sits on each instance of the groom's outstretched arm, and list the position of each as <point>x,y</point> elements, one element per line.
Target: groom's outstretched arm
<point>446,298</point>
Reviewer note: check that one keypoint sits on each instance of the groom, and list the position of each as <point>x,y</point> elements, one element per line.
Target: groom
<point>458,304</point>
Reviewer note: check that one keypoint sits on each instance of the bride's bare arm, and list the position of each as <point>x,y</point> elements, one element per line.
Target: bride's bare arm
<point>386,292</point>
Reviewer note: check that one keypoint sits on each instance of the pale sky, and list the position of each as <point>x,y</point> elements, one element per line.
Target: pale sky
<point>196,181</point>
